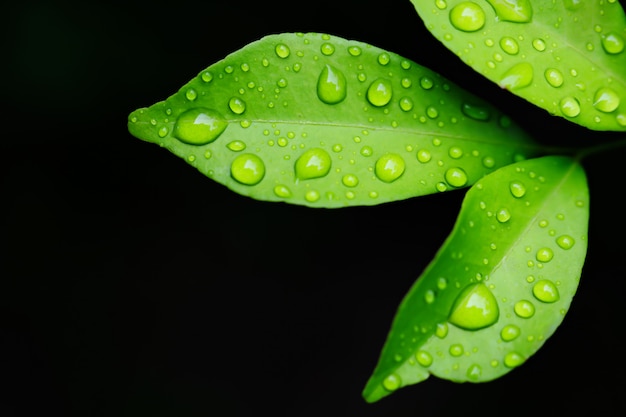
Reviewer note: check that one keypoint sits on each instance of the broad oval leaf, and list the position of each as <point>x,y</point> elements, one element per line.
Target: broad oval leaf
<point>499,286</point>
<point>565,56</point>
<point>323,121</point>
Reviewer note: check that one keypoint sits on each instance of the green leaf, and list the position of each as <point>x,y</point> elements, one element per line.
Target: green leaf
<point>565,56</point>
<point>499,286</point>
<point>323,121</point>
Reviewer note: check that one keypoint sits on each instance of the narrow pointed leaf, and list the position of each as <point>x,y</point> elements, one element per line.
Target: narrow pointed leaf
<point>499,286</point>
<point>323,121</point>
<point>565,56</point>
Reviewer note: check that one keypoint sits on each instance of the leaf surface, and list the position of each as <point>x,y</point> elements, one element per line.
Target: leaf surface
<point>499,286</point>
<point>565,56</point>
<point>322,121</point>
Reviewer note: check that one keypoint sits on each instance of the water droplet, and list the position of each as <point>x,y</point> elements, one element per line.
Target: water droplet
<point>467,16</point>
<point>510,332</point>
<point>572,4</point>
<point>354,50</point>
<point>384,58</point>
<point>509,45</point>
<point>424,358</point>
<point>406,104</point>
<point>565,241</point>
<point>476,112</point>
<point>475,308</point>
<point>503,215</point>
<point>163,132</point>
<point>570,106</point>
<point>546,291</point>
<point>237,105</point>
<point>389,167</point>
<point>518,76</point>
<point>282,191</point>
<point>456,349</point>
<point>199,126</point>
<point>247,169</point>
<point>367,151</point>
<point>612,43</point>
<point>456,177</point>
<point>236,146</point>
<point>513,359</point>
<point>606,100</point>
<point>539,45</point>
<point>474,372</point>
<point>327,48</point>
<point>442,330</point>
<point>423,156</point>
<point>312,196</point>
<point>554,77</point>
<point>206,76</point>
<point>524,309</point>
<point>455,152</point>
<point>429,297</point>
<point>392,382</point>
<point>432,112</point>
<point>282,50</point>
<point>544,255</point>
<point>379,92</point>
<point>191,94</point>
<point>441,4</point>
<point>426,83</point>
<point>488,162</point>
<point>517,188</point>
<point>331,85</point>
<point>282,83</point>
<point>350,180</point>
<point>519,11</point>
<point>314,163</point>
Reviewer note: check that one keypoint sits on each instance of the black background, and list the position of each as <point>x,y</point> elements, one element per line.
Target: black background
<point>131,285</point>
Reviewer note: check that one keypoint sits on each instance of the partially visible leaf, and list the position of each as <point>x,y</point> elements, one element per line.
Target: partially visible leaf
<point>323,121</point>
<point>565,56</point>
<point>499,286</point>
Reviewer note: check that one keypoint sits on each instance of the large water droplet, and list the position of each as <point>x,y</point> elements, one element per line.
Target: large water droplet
<point>546,291</point>
<point>613,43</point>
<point>475,308</point>
<point>519,11</point>
<point>518,76</point>
<point>314,163</point>
<point>379,92</point>
<point>467,16</point>
<point>247,169</point>
<point>331,85</point>
<point>606,100</point>
<point>389,167</point>
<point>456,177</point>
<point>199,126</point>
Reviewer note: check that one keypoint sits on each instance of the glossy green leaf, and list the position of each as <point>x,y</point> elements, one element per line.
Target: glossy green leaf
<point>323,121</point>
<point>565,56</point>
<point>501,283</point>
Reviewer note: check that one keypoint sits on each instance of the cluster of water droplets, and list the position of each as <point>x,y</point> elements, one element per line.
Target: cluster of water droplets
<point>480,307</point>
<point>469,17</point>
<point>389,99</point>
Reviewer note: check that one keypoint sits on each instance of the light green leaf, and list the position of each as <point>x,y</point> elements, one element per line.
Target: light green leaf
<point>499,286</point>
<point>323,121</point>
<point>565,56</point>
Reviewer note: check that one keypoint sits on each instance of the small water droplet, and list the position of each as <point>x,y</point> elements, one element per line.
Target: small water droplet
<point>517,188</point>
<point>314,163</point>
<point>544,255</point>
<point>606,100</point>
<point>327,48</point>
<point>442,330</point>
<point>206,76</point>
<point>467,16</point>
<point>331,85</point>
<point>476,112</point>
<point>509,45</point>
<point>350,180</point>
<point>539,45</point>
<point>199,126</point>
<point>354,50</point>
<point>510,332</point>
<point>524,309</point>
<point>426,83</point>
<point>384,58</point>
<point>456,350</point>
<point>236,146</point>
<point>455,152</point>
<point>423,156</point>
<point>513,359</point>
<point>474,372</point>
<point>554,77</point>
<point>282,50</point>
<point>456,177</point>
<point>406,104</point>
<point>546,291</point>
<point>503,215</point>
<point>163,131</point>
<point>488,162</point>
<point>312,196</point>
<point>237,105</point>
<point>191,94</point>
<point>379,92</point>
<point>282,191</point>
<point>565,241</point>
<point>429,297</point>
<point>519,11</point>
<point>367,151</point>
<point>247,169</point>
<point>389,167</point>
<point>392,382</point>
<point>475,308</point>
<point>518,76</point>
<point>570,106</point>
<point>612,43</point>
<point>424,358</point>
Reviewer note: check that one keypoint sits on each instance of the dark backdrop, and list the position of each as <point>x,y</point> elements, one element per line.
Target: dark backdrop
<point>131,285</point>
